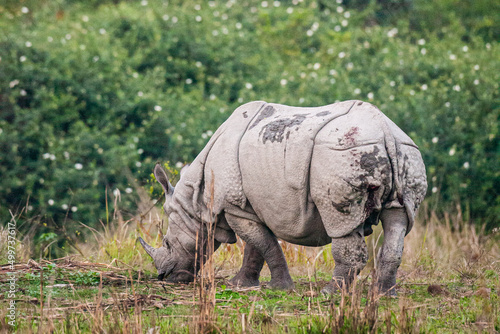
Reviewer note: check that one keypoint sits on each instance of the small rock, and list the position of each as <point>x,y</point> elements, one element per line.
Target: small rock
<point>435,290</point>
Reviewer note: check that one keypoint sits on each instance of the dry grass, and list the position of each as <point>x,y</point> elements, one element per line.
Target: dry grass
<point>448,282</point>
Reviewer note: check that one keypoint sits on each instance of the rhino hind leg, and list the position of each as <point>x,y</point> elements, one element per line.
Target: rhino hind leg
<point>249,273</point>
<point>394,223</point>
<point>265,242</point>
<point>350,254</point>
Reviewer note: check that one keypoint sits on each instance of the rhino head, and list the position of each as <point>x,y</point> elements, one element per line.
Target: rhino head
<point>175,259</point>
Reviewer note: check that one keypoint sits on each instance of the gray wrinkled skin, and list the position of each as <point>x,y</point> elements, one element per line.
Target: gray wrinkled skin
<point>309,176</point>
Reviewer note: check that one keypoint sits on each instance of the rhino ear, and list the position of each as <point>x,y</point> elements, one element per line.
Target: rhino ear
<point>162,177</point>
<point>184,169</point>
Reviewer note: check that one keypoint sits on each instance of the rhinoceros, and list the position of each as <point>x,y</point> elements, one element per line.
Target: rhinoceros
<point>308,176</point>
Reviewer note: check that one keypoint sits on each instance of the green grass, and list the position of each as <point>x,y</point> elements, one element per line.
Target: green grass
<point>83,304</point>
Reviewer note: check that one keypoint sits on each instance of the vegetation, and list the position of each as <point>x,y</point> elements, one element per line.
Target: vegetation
<point>92,94</point>
<point>448,283</point>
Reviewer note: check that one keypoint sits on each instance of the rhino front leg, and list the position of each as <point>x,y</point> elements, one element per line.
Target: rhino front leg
<point>264,241</point>
<point>350,254</point>
<point>394,223</point>
<point>249,273</point>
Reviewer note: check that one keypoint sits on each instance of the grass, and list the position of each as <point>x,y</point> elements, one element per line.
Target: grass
<point>448,283</point>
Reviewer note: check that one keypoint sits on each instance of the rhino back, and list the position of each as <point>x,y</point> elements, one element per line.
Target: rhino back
<point>274,158</point>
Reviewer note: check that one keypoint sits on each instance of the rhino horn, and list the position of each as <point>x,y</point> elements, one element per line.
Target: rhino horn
<point>149,249</point>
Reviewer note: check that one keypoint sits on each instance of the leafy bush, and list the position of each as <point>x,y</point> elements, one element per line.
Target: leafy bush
<point>91,96</point>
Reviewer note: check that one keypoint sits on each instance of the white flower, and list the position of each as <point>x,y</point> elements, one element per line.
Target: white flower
<point>276,4</point>
<point>456,88</point>
<point>28,44</point>
<point>347,15</point>
<point>447,104</point>
<point>102,31</point>
<point>238,25</point>
<point>412,92</point>
<point>78,166</point>
<point>423,51</point>
<point>283,82</point>
<point>189,81</point>
<point>210,133</point>
<point>435,140</point>
<point>95,59</point>
<point>25,10</point>
<point>421,41</point>
<point>22,92</point>
<point>264,4</point>
<point>179,165</point>
<point>393,32</point>
<point>248,85</point>
<point>215,33</point>
<point>165,17</point>
<point>309,32</point>
<point>424,87</point>
<point>339,1</point>
<point>333,72</point>
<point>340,9</point>
<point>50,39</point>
<point>204,135</point>
<point>453,57</point>
<point>342,54</point>
<point>476,82</point>
<point>46,155</point>
<point>85,18</point>
<point>476,67</point>
<point>466,165</point>
<point>158,108</point>
<point>128,190</point>
<point>301,100</point>
<point>198,18</point>
<point>357,91</point>
<point>452,151</point>
<point>370,95</point>
<point>68,36</point>
<point>135,75</point>
<point>212,97</point>
<point>349,66</point>
<point>64,206</point>
<point>316,66</point>
<point>74,209</point>
<point>434,190</point>
<point>116,192</point>
<point>337,28</point>
<point>140,151</point>
<point>51,202</point>
<point>197,7</point>
<point>289,10</point>
<point>344,23</point>
<point>392,83</point>
<point>66,155</point>
<point>138,164</point>
<point>175,19</point>
<point>465,48</point>
<point>391,97</point>
<point>140,93</point>
<point>22,59</point>
<point>144,2</point>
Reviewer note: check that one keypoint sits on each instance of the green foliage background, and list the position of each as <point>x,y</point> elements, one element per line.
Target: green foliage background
<point>93,93</point>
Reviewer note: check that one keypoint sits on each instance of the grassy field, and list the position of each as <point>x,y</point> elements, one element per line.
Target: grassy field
<point>448,283</point>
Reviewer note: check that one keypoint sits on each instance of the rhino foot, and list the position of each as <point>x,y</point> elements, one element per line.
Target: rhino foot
<point>244,282</point>
<point>330,289</point>
<point>281,283</point>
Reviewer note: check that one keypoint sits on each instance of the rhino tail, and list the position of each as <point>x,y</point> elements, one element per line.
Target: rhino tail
<point>392,147</point>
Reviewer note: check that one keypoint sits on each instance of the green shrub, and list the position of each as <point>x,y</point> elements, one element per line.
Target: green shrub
<point>91,96</point>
